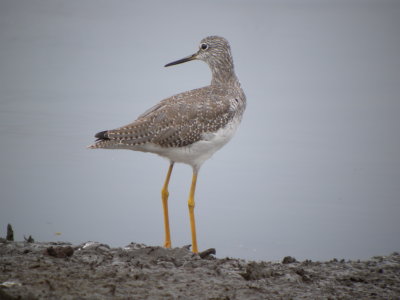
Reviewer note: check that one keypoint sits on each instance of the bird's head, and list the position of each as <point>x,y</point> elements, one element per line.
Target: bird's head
<point>214,50</point>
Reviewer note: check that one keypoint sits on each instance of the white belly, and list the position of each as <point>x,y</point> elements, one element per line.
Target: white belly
<point>196,153</point>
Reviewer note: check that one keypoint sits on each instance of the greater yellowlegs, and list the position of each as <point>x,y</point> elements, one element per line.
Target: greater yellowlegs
<point>188,127</point>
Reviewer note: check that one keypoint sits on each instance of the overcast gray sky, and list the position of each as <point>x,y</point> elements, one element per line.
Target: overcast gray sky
<point>313,171</point>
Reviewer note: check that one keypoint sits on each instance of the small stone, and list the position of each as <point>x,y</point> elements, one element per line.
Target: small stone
<point>29,239</point>
<point>288,260</point>
<point>10,233</point>
<point>207,253</point>
<point>60,252</point>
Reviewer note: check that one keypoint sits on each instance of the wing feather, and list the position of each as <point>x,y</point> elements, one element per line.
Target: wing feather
<point>179,120</point>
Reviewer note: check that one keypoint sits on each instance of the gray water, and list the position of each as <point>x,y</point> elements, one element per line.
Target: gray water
<point>313,171</point>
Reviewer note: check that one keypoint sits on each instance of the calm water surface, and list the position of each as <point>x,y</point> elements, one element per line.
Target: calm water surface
<point>313,171</point>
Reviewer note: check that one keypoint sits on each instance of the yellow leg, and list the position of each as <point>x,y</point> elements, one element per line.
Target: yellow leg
<point>164,197</point>
<point>191,212</point>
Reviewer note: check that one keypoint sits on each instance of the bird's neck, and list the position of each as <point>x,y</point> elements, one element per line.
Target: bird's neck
<point>224,77</point>
<point>223,73</point>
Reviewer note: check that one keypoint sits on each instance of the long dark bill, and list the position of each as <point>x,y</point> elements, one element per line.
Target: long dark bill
<point>183,60</point>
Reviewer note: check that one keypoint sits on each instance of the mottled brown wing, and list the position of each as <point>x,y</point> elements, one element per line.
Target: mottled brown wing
<point>178,121</point>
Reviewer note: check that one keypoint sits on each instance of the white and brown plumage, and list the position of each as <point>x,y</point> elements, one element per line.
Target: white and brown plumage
<point>188,127</point>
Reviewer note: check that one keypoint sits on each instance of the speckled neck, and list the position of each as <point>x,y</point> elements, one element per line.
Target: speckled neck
<point>223,72</point>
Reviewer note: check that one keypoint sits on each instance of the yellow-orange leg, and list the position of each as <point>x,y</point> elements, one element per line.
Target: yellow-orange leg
<point>191,212</point>
<point>164,197</point>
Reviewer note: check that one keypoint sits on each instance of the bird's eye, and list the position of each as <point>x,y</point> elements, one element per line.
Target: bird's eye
<point>204,46</point>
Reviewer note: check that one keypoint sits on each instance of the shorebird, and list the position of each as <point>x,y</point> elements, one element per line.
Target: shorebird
<point>188,127</point>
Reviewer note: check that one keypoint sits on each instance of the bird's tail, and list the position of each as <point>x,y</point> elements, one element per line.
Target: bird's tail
<point>102,138</point>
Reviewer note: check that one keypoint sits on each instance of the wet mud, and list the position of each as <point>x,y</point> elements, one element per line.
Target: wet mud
<point>96,271</point>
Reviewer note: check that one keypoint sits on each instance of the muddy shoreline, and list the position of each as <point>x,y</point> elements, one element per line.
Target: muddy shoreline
<point>96,271</point>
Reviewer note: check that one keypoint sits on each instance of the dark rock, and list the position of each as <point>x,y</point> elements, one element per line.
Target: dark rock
<point>29,239</point>
<point>10,233</point>
<point>207,253</point>
<point>60,252</point>
<point>288,260</point>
